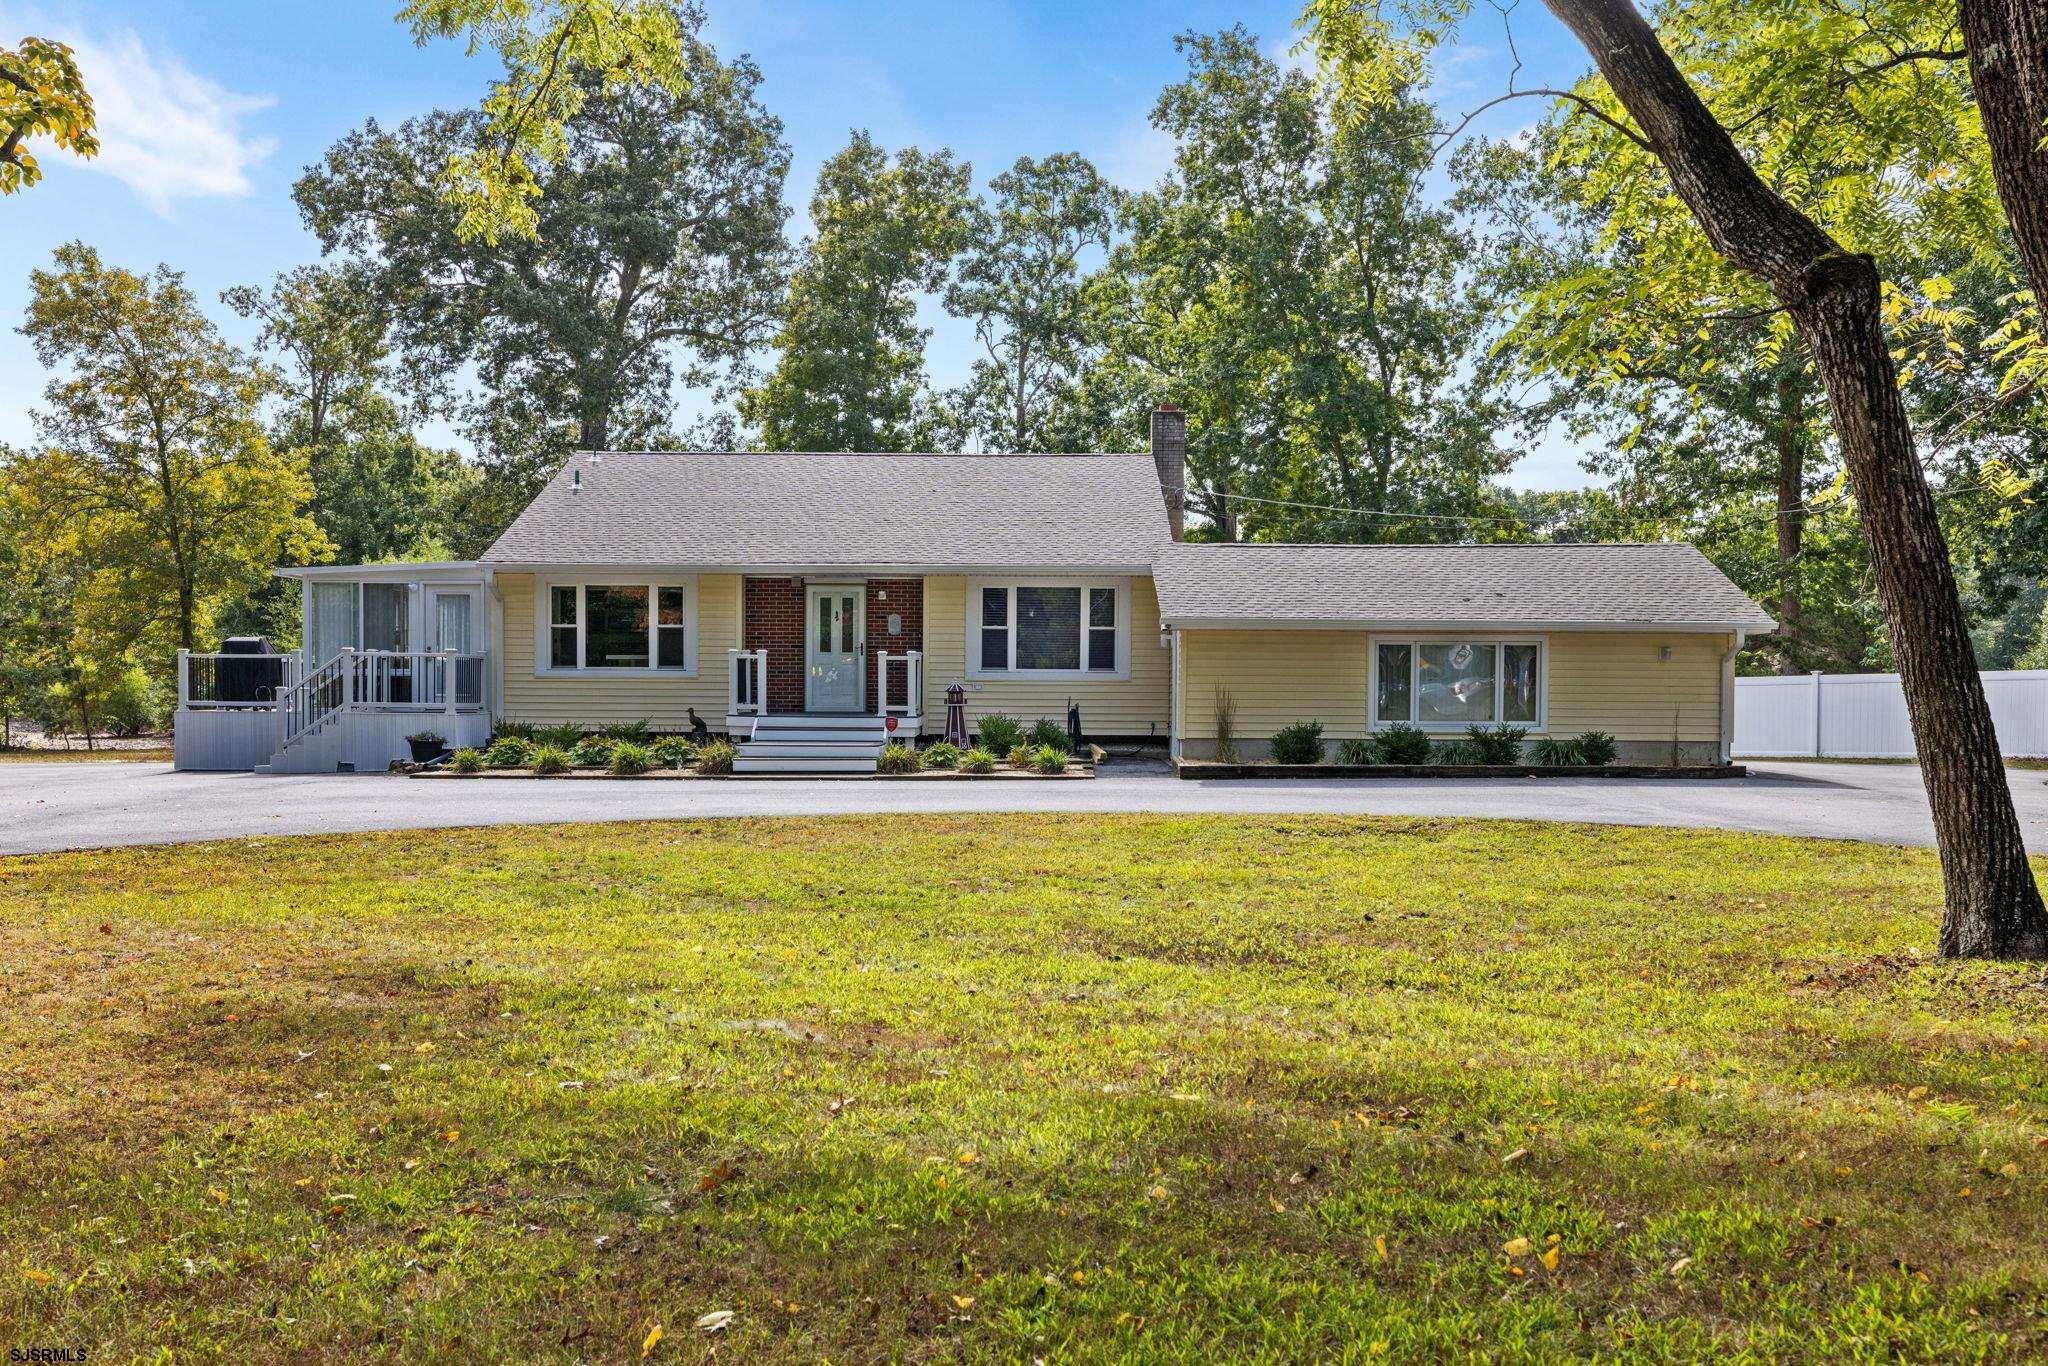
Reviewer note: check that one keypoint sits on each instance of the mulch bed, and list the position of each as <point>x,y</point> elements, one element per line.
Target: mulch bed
<point>1076,770</point>
<point>1205,768</point>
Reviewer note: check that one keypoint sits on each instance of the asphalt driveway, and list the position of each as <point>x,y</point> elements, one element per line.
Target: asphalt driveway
<point>46,807</point>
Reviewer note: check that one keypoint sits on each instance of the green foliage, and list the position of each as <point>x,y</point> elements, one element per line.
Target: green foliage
<point>136,704</point>
<point>467,760</point>
<point>1019,755</point>
<point>656,266</point>
<point>716,757</point>
<point>1495,744</point>
<point>515,730</point>
<point>551,759</point>
<point>1300,743</point>
<point>426,737</point>
<point>977,760</point>
<point>851,360</point>
<point>509,752</point>
<point>1451,753</point>
<point>897,757</point>
<point>1226,726</point>
<point>557,54</point>
<point>673,751</point>
<point>999,734</point>
<point>1594,748</point>
<point>155,493</point>
<point>1356,751</point>
<point>1400,745</point>
<point>562,735</point>
<point>1020,281</point>
<point>630,759</point>
<point>633,732</point>
<point>1048,759</point>
<point>592,751</point>
<point>42,95</point>
<point>1552,752</point>
<point>942,755</point>
<point>1046,732</point>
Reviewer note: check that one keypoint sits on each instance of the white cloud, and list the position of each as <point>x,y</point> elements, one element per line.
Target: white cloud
<point>165,131</point>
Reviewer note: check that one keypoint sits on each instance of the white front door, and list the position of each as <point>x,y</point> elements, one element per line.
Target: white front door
<point>835,649</point>
<point>455,622</point>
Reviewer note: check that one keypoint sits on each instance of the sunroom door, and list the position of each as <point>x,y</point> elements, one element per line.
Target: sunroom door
<point>835,651</point>
<point>455,622</point>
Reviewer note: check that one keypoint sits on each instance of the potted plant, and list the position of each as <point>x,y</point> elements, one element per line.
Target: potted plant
<point>426,746</point>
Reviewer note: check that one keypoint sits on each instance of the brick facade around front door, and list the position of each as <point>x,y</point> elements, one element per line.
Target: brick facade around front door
<point>772,619</point>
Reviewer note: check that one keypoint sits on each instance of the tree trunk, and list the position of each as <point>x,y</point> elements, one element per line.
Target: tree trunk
<point>1789,435</point>
<point>1992,907</point>
<point>2008,45</point>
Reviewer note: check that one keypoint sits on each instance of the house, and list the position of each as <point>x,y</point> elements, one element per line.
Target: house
<point>809,604</point>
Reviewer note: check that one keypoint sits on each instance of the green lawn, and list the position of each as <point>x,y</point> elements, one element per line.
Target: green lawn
<point>157,755</point>
<point>1003,1087</point>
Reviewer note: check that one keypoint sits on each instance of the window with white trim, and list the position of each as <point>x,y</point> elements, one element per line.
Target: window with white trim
<point>1452,684</point>
<point>1058,627</point>
<point>613,625</point>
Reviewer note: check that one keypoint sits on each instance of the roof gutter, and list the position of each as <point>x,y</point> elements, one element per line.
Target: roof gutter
<point>1449,625</point>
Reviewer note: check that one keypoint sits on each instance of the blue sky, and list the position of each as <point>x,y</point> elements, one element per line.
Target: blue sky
<point>210,108</point>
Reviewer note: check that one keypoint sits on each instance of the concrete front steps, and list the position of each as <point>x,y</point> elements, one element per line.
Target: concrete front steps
<point>812,744</point>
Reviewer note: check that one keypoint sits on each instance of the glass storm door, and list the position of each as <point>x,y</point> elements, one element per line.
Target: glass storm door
<point>457,624</point>
<point>835,650</point>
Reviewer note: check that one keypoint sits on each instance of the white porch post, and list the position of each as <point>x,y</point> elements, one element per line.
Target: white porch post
<point>882,683</point>
<point>184,679</point>
<point>448,685</point>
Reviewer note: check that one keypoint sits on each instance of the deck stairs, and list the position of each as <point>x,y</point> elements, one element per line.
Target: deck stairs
<point>812,744</point>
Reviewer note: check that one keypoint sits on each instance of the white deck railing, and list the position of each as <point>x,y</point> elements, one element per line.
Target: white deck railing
<point>746,682</point>
<point>213,681</point>
<point>911,668</point>
<point>381,680</point>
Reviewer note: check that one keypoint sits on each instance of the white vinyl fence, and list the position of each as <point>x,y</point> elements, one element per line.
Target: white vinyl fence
<point>1863,716</point>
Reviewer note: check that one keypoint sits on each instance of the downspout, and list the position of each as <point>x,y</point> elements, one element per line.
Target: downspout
<point>494,636</point>
<point>1173,718</point>
<point>1728,697</point>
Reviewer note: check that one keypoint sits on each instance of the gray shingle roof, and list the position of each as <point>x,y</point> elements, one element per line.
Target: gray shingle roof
<point>1662,585</point>
<point>788,510</point>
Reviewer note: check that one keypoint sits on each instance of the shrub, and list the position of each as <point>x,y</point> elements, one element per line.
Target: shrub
<point>1226,726</point>
<point>426,737</point>
<point>977,761</point>
<point>942,755</point>
<point>1496,744</point>
<point>561,736</point>
<point>1019,755</point>
<point>134,705</point>
<point>592,751</point>
<point>999,734</point>
<point>673,751</point>
<point>1355,752</point>
<point>512,730</point>
<point>551,759</point>
<point>627,732</point>
<point>716,757</point>
<point>1451,752</point>
<point>1553,752</point>
<point>630,760</point>
<point>1049,759</point>
<point>1400,745</point>
<point>1300,743</point>
<point>1595,748</point>
<point>467,761</point>
<point>898,757</point>
<point>1046,731</point>
<point>509,752</point>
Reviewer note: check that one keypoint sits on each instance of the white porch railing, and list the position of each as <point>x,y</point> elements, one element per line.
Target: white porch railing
<point>381,680</point>
<point>225,682</point>
<point>911,668</point>
<point>746,682</point>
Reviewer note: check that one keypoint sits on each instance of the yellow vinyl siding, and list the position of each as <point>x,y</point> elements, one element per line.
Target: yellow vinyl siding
<point>1134,706</point>
<point>1596,680</point>
<point>596,699</point>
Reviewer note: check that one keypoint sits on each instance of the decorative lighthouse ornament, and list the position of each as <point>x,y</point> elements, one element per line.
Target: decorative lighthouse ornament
<point>956,716</point>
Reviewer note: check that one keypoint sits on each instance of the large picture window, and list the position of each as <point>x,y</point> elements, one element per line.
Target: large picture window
<point>1049,628</point>
<point>599,626</point>
<point>1452,684</point>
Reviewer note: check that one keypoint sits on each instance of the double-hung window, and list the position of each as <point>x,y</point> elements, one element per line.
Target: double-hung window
<point>1452,684</point>
<point>617,626</point>
<point>1054,627</point>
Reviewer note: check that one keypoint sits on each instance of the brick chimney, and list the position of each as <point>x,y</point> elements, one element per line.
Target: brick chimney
<point>1170,457</point>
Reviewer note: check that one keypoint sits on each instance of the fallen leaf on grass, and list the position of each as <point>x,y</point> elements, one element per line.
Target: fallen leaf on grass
<point>1379,1245</point>
<point>1678,1267</point>
<point>717,1176</point>
<point>653,1336</point>
<point>1516,1247</point>
<point>40,1277</point>
<point>1516,1156</point>
<point>423,1048</point>
<point>715,1321</point>
<point>968,1157</point>
<point>1549,1259</point>
<point>963,1301</point>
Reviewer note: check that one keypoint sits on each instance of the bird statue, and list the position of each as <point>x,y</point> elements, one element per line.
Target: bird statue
<point>700,734</point>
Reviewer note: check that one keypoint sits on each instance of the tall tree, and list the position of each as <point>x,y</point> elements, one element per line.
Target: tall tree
<point>154,478</point>
<point>1291,287</point>
<point>851,367</point>
<point>41,95</point>
<point>1020,281</point>
<point>1992,906</point>
<point>329,322</point>
<point>2007,42</point>
<point>557,53</point>
<point>658,261</point>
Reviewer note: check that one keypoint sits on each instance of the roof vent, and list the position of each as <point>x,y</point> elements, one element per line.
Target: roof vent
<point>575,481</point>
